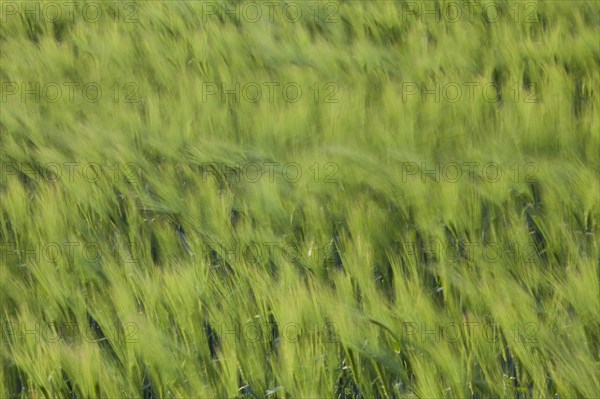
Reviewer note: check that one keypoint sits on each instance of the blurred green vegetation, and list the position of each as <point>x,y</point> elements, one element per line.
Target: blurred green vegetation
<point>135,176</point>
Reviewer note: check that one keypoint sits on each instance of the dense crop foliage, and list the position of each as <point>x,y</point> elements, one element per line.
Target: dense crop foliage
<point>339,199</point>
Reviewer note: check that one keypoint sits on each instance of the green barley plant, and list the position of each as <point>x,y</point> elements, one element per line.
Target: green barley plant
<point>309,199</point>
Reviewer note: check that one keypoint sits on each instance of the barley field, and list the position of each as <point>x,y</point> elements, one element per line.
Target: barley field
<point>300,199</point>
